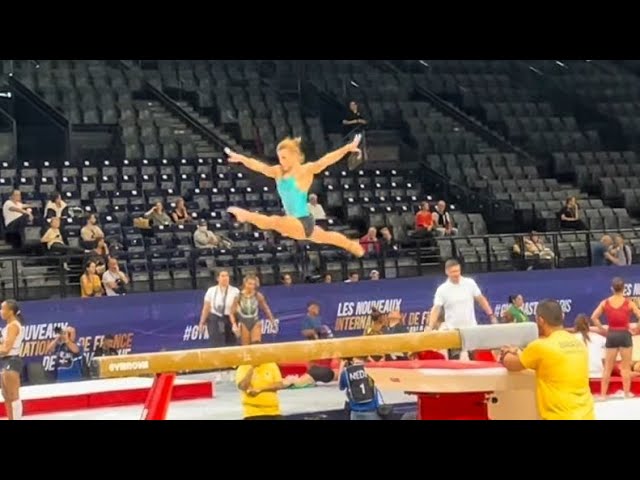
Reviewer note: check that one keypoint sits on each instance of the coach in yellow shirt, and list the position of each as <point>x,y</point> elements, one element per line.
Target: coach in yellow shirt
<point>561,363</point>
<point>259,386</point>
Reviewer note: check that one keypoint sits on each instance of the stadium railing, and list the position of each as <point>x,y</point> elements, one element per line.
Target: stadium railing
<point>32,278</point>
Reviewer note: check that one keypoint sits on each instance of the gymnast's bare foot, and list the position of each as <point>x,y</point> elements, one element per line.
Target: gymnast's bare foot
<point>240,213</point>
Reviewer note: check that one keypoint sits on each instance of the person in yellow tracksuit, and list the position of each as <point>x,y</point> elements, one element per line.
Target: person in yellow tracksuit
<point>561,363</point>
<point>259,387</point>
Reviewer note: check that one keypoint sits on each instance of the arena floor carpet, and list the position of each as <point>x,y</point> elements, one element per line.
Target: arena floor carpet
<point>318,403</point>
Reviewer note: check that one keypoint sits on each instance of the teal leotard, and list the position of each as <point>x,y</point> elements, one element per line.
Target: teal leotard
<point>293,199</point>
<point>295,203</point>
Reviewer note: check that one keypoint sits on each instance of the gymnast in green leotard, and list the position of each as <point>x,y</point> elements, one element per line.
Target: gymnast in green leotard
<point>293,180</point>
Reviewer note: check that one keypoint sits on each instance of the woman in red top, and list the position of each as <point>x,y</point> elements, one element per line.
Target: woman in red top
<point>618,310</point>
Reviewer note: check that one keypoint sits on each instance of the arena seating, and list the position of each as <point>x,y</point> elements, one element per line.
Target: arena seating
<point>485,90</point>
<point>255,103</point>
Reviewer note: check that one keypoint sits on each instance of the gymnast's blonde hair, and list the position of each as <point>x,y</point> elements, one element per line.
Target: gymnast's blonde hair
<point>293,145</point>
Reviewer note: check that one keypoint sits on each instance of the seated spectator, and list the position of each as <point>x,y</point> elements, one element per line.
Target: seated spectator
<point>442,220</point>
<point>316,210</point>
<point>106,349</point>
<point>570,215</point>
<point>424,220</point>
<point>287,280</point>
<point>180,214</point>
<point>534,247</point>
<point>374,275</point>
<point>328,278</point>
<point>205,238</point>
<point>619,253</point>
<point>387,241</point>
<point>370,242</point>
<point>113,280</point>
<point>600,254</point>
<point>353,277</point>
<point>16,216</point>
<point>99,256</point>
<point>90,284</point>
<point>157,216</point>
<point>54,241</point>
<point>91,232</point>
<point>313,327</point>
<point>68,362</point>
<point>56,207</point>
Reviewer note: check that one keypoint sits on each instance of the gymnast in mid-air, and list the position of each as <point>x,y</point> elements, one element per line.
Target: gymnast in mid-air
<point>293,180</point>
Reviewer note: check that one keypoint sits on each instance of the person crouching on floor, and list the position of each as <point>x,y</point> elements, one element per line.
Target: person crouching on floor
<point>363,397</point>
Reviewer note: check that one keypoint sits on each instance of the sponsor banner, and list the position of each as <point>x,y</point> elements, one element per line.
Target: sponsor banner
<point>168,320</point>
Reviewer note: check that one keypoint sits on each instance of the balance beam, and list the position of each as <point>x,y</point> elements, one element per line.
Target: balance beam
<point>470,338</point>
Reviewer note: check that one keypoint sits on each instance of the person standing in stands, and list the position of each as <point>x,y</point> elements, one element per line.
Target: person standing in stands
<point>457,297</point>
<point>10,361</point>
<point>259,386</point>
<point>618,311</point>
<point>561,363</point>
<point>216,312</point>
<point>16,216</point>
<point>354,121</point>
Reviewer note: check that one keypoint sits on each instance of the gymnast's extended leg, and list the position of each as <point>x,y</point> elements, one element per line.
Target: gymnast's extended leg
<point>287,226</point>
<point>337,239</point>
<point>292,227</point>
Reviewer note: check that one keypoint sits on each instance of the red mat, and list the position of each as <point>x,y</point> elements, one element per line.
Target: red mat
<point>615,385</point>
<point>114,398</point>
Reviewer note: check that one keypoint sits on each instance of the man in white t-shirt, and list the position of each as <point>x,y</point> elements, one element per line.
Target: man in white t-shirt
<point>16,216</point>
<point>216,309</point>
<point>457,296</point>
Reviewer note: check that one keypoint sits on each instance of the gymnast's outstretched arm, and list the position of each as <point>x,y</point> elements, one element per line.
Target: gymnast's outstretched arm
<point>335,156</point>
<point>270,171</point>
